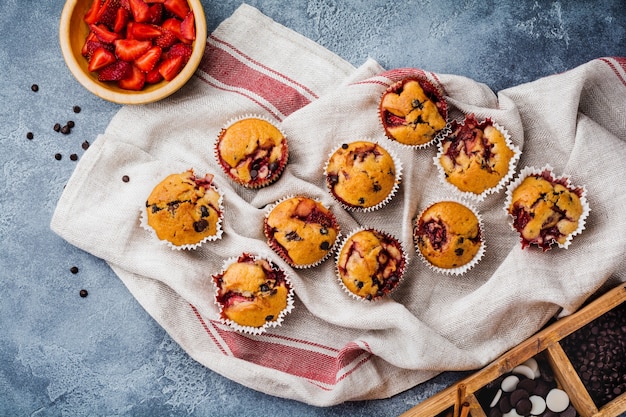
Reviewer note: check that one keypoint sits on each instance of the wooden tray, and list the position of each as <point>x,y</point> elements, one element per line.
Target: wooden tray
<point>460,399</point>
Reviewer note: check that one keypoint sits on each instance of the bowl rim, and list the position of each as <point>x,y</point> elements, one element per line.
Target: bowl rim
<point>132,97</point>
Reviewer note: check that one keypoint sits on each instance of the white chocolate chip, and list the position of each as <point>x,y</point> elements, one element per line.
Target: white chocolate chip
<point>524,370</point>
<point>495,400</point>
<point>509,383</point>
<point>532,364</point>
<point>557,400</point>
<point>512,413</point>
<point>539,405</point>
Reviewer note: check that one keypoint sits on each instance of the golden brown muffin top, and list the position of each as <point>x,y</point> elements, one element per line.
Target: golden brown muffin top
<point>370,263</point>
<point>448,234</point>
<point>252,151</point>
<point>184,209</point>
<point>544,210</point>
<point>252,292</point>
<point>301,230</point>
<point>475,156</point>
<point>361,174</point>
<point>411,114</point>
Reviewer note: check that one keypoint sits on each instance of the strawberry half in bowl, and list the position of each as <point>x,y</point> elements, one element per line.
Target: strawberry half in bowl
<point>132,51</point>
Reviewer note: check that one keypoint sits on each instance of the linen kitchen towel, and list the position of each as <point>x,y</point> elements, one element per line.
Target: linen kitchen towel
<point>332,348</point>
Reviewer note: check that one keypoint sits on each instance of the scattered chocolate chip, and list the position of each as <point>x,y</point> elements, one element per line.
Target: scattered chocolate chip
<point>74,270</point>
<point>85,145</point>
<point>70,124</point>
<point>126,178</point>
<point>74,157</point>
<point>58,156</point>
<point>34,87</point>
<point>57,127</point>
<point>76,109</point>
<point>65,129</point>
<point>30,135</point>
<point>83,293</point>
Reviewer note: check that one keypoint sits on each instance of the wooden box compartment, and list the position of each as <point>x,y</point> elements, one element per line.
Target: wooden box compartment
<point>594,380</point>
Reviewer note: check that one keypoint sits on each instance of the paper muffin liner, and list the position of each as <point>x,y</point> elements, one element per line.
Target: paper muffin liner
<point>460,270</point>
<point>548,172</point>
<point>503,181</point>
<point>423,81</point>
<point>282,252</point>
<point>269,180</point>
<point>143,221</point>
<point>268,324</point>
<point>392,193</point>
<point>402,271</point>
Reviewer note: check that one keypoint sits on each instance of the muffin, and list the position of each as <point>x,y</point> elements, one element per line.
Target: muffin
<point>370,264</point>
<point>252,293</point>
<point>252,152</point>
<point>546,209</point>
<point>448,237</point>
<point>184,210</point>
<point>301,230</point>
<point>413,112</point>
<point>362,175</point>
<point>477,157</point>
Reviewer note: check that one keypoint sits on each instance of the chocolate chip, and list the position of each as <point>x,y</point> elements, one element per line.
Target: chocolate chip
<point>254,173</point>
<point>74,270</point>
<point>344,146</point>
<point>269,318</point>
<point>323,231</point>
<point>517,395</point>
<point>57,127</point>
<point>85,145</point>
<point>70,124</point>
<point>459,251</point>
<point>325,245</point>
<point>83,293</point>
<point>273,166</point>
<point>523,406</point>
<point>58,156</point>
<point>200,225</point>
<point>125,178</point>
<point>74,157</point>
<point>34,87</point>
<point>264,287</point>
<point>76,109</point>
<point>361,200</point>
<point>30,135</point>
<point>65,130</point>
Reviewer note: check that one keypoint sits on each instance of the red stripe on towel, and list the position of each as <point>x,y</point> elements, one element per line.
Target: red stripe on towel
<point>611,62</point>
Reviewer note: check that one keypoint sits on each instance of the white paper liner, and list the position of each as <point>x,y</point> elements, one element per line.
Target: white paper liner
<point>269,180</point>
<point>268,324</point>
<point>438,136</point>
<point>493,190</point>
<point>143,221</point>
<point>460,270</point>
<point>533,171</point>
<point>328,253</point>
<point>398,166</point>
<point>338,275</point>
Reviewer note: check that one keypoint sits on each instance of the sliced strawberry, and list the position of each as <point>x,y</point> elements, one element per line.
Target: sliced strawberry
<point>173,25</point>
<point>180,49</point>
<point>170,67</point>
<point>167,39</point>
<point>125,4</point>
<point>178,7</point>
<point>134,80</point>
<point>147,61</point>
<point>145,31</point>
<point>108,12</point>
<point>91,37</point>
<point>188,27</point>
<point>155,15</point>
<point>131,49</point>
<point>155,1</point>
<point>129,30</point>
<point>154,76</point>
<point>92,14</point>
<point>100,59</point>
<point>122,17</point>
<point>115,71</point>
<point>140,10</point>
<point>104,34</point>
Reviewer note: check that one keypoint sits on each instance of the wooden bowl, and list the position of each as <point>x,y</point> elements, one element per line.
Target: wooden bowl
<point>72,34</point>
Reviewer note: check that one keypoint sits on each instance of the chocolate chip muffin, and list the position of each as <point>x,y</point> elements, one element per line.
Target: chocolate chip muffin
<point>185,210</point>
<point>301,230</point>
<point>252,152</point>
<point>362,175</point>
<point>413,112</point>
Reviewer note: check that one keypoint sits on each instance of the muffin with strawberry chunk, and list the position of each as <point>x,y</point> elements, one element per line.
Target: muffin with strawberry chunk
<point>477,158</point>
<point>184,210</point>
<point>362,175</point>
<point>448,237</point>
<point>370,264</point>
<point>252,294</point>
<point>301,230</point>
<point>252,152</point>
<point>546,209</point>
<point>413,112</point>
